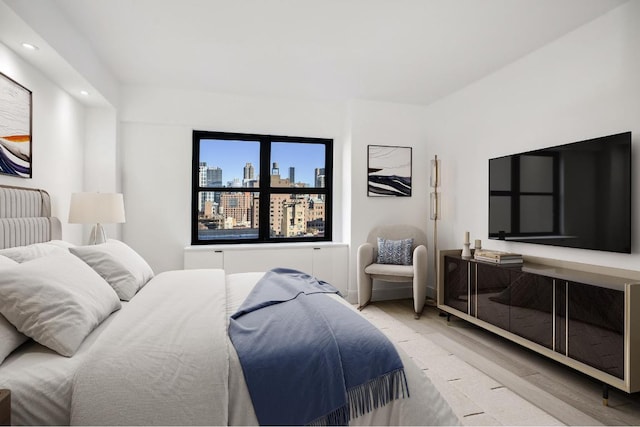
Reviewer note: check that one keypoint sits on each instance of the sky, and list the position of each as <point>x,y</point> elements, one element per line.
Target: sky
<point>232,156</point>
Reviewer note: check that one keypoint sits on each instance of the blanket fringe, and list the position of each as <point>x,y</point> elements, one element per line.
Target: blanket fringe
<point>366,397</point>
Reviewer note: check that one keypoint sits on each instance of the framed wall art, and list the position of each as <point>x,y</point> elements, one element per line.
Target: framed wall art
<point>389,171</point>
<point>15,128</point>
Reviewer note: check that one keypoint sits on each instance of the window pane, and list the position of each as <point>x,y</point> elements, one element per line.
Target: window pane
<point>296,164</point>
<point>229,163</point>
<point>227,215</point>
<point>297,215</point>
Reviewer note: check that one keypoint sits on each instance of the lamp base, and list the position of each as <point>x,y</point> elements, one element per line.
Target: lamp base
<point>97,235</point>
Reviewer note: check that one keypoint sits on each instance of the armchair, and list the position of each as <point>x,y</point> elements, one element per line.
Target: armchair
<point>368,267</point>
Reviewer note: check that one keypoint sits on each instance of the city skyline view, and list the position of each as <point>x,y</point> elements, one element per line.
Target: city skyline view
<point>233,155</point>
<point>231,207</point>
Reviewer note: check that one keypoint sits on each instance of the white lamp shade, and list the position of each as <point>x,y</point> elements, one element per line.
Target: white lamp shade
<point>96,208</point>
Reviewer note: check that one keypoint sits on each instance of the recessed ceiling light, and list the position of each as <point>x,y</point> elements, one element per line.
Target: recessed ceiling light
<point>84,93</point>
<point>29,46</point>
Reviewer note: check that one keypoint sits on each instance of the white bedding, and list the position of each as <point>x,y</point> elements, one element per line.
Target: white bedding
<point>163,361</point>
<point>167,359</point>
<point>40,380</point>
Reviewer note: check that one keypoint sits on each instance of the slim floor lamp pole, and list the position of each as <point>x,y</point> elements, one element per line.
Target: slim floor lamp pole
<point>435,216</point>
<point>435,257</point>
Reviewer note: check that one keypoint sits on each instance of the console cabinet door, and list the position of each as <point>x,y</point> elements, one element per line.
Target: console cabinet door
<point>456,283</point>
<point>492,293</point>
<point>531,307</point>
<point>561,316</point>
<point>596,327</point>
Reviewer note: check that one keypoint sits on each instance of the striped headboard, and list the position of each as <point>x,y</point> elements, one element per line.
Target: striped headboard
<point>25,217</point>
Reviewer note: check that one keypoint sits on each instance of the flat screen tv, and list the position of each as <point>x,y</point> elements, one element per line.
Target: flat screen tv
<point>576,195</point>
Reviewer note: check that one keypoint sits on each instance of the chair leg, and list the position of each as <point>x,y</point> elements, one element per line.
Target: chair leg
<point>364,305</point>
<point>365,289</point>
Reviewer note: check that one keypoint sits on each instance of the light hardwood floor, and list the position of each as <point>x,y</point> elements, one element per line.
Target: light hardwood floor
<point>569,396</point>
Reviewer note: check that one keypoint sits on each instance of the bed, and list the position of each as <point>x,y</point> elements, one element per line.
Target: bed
<point>159,354</point>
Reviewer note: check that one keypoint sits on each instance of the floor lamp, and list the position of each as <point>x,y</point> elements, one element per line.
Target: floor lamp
<point>434,213</point>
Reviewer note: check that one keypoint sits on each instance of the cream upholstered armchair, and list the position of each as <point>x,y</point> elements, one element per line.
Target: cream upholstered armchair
<point>395,247</point>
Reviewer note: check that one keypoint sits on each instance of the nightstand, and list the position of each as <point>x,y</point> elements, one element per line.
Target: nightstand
<point>5,407</point>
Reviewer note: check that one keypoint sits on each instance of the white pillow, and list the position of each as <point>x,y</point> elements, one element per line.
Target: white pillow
<point>60,243</point>
<point>57,300</point>
<point>10,338</point>
<point>122,267</point>
<point>6,262</point>
<point>27,253</point>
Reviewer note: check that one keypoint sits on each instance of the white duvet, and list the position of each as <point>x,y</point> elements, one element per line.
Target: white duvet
<point>167,360</point>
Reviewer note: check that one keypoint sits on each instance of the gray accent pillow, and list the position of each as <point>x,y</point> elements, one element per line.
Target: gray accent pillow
<point>122,267</point>
<point>395,251</point>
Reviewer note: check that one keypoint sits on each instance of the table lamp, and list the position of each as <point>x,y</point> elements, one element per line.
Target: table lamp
<point>98,209</point>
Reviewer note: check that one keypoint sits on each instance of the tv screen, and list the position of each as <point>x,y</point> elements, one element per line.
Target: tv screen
<point>576,195</point>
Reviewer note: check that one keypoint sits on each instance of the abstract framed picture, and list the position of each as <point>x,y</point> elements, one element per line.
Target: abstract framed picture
<point>15,128</point>
<point>389,171</point>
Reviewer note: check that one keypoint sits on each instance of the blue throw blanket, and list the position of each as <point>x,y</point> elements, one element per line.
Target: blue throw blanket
<point>308,359</point>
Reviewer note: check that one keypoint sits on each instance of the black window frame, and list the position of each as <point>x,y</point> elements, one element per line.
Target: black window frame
<point>264,191</point>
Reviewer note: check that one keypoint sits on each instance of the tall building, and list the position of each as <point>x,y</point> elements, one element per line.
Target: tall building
<point>202,174</point>
<point>315,216</point>
<point>276,180</point>
<point>249,172</point>
<point>237,210</point>
<point>292,175</point>
<point>202,181</point>
<point>209,177</point>
<point>214,177</point>
<point>294,217</point>
<point>319,177</point>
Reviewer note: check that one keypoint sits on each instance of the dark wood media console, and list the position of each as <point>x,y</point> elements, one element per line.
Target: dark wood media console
<point>584,316</point>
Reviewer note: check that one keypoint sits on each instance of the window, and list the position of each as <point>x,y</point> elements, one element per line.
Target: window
<point>260,188</point>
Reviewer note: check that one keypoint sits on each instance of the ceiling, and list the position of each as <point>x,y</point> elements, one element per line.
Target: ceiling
<point>408,51</point>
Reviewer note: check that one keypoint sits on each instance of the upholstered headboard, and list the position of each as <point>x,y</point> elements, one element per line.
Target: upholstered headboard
<point>25,217</point>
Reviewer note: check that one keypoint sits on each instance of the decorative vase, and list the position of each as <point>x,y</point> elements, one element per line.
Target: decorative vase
<point>466,252</point>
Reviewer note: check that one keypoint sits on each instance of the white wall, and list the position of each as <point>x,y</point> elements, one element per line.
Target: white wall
<point>156,139</point>
<point>376,123</point>
<point>101,167</point>
<point>581,86</point>
<point>57,139</point>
